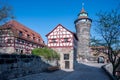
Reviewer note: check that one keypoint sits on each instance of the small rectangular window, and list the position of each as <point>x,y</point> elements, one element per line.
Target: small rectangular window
<point>66,56</point>
<point>53,40</point>
<point>66,40</point>
<point>9,40</point>
<point>23,42</point>
<point>18,40</point>
<point>17,50</point>
<point>38,40</point>
<point>0,32</point>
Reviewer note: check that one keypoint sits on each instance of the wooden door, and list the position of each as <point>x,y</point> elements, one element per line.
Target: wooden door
<point>67,64</point>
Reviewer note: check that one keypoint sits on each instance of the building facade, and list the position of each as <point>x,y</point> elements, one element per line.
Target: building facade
<point>17,38</point>
<point>63,41</point>
<point>82,25</point>
<point>99,53</point>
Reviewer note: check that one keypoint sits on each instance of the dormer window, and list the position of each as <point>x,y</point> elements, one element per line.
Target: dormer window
<point>33,38</point>
<point>20,33</point>
<point>28,36</point>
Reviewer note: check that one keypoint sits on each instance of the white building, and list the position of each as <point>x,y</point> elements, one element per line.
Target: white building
<point>64,42</point>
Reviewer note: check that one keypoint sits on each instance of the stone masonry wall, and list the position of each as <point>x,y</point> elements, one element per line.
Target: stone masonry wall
<point>13,66</point>
<point>7,49</point>
<point>62,51</point>
<point>83,35</point>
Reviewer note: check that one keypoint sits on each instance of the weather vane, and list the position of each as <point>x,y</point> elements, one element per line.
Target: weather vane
<point>82,4</point>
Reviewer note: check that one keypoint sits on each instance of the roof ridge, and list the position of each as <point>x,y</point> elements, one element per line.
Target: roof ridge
<point>56,27</point>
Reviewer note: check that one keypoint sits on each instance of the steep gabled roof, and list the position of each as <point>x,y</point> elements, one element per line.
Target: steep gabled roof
<point>56,27</point>
<point>64,28</point>
<point>16,26</point>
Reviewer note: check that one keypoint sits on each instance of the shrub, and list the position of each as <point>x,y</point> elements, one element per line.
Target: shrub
<point>47,53</point>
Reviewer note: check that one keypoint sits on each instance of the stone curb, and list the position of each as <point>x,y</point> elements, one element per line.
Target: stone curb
<point>108,73</point>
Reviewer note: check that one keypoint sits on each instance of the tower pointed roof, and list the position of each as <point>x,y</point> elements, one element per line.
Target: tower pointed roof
<point>83,10</point>
<point>83,13</point>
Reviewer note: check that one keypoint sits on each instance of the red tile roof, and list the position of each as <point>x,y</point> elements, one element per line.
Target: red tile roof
<point>17,27</point>
<point>83,10</point>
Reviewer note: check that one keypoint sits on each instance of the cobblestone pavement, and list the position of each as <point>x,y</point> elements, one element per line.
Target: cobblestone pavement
<point>83,71</point>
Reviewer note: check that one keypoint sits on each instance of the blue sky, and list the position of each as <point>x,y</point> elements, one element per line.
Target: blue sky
<point>44,15</point>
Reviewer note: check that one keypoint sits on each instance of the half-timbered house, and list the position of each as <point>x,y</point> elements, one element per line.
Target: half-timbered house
<point>64,42</point>
<point>17,38</point>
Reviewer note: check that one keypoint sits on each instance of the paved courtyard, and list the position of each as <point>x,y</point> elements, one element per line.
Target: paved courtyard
<point>83,71</point>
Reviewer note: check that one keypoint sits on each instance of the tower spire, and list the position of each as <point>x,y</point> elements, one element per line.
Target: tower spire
<point>83,10</point>
<point>83,13</point>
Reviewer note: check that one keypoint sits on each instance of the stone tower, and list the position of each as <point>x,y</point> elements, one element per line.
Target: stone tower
<point>83,24</point>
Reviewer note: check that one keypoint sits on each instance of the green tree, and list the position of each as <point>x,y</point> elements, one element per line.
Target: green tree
<point>47,53</point>
<point>108,28</point>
